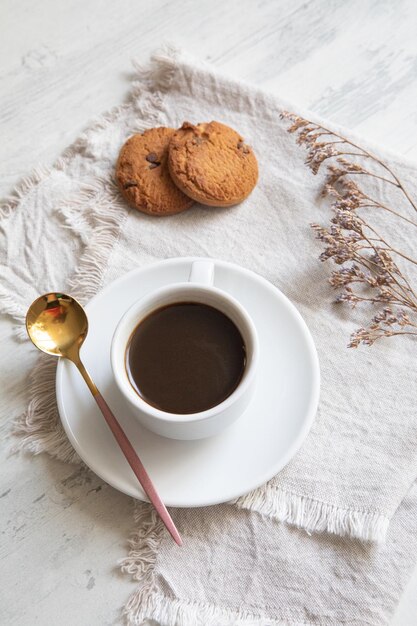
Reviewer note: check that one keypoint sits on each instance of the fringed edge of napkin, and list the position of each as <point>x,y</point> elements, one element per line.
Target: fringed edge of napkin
<point>8,301</point>
<point>148,603</point>
<point>39,428</point>
<point>314,515</point>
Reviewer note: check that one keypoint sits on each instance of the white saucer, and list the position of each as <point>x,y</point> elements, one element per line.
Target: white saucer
<point>207,471</point>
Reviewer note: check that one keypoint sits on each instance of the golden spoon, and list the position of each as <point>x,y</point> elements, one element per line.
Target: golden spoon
<point>57,324</point>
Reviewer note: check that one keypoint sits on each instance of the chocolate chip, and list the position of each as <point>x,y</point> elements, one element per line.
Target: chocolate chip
<point>153,161</point>
<point>242,146</point>
<point>128,185</point>
<point>187,125</point>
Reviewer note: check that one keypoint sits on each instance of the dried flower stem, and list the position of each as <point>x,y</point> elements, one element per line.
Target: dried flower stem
<point>350,237</point>
<point>375,204</point>
<point>366,173</point>
<point>403,297</point>
<point>388,246</point>
<point>365,153</point>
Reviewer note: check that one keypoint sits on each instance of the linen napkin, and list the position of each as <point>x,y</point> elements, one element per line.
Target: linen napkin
<point>358,462</point>
<point>239,568</point>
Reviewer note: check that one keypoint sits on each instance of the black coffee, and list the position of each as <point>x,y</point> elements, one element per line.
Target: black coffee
<point>185,358</point>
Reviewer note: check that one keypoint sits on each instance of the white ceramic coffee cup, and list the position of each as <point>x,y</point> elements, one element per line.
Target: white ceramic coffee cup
<point>205,423</point>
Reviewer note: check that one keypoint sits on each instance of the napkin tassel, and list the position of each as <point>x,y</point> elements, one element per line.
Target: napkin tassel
<point>314,515</point>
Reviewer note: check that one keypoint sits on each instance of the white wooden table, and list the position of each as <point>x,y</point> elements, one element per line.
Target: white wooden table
<point>61,63</point>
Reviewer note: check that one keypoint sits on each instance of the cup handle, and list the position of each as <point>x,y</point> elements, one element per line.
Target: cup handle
<point>202,273</point>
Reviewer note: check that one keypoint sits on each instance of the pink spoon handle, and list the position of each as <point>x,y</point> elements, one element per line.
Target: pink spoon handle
<point>137,466</point>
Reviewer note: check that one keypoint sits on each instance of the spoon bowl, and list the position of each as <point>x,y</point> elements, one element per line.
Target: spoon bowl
<point>56,323</point>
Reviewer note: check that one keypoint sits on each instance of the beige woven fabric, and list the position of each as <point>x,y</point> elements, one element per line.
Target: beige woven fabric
<point>358,462</point>
<point>238,568</point>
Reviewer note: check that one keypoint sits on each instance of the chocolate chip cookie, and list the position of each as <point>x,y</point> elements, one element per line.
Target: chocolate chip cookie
<point>143,177</point>
<point>212,164</point>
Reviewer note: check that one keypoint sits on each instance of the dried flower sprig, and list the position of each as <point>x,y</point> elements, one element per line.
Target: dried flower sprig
<point>367,269</point>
